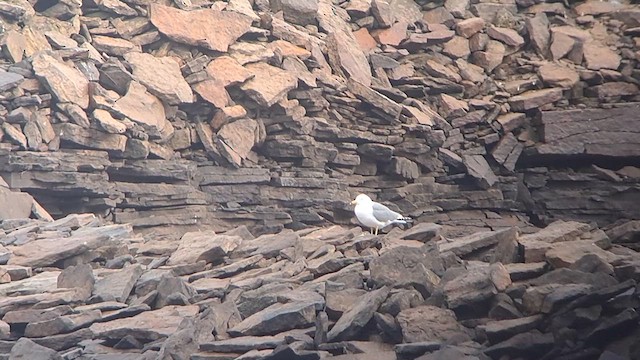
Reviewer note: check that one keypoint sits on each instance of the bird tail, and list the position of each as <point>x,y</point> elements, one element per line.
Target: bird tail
<point>402,220</point>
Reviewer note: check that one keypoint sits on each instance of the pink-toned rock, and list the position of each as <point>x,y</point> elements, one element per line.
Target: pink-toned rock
<point>162,76</point>
<point>235,140</point>
<point>470,26</point>
<point>558,75</point>
<point>507,36</point>
<point>491,57</point>
<point>214,92</point>
<point>451,107</point>
<point>538,31</point>
<point>365,40</point>
<point>346,58</point>
<point>598,57</point>
<point>66,83</point>
<point>227,71</point>
<point>614,89</point>
<point>211,29</point>
<point>269,84</point>
<point>114,46</point>
<point>146,110</point>
<point>288,49</point>
<point>470,72</point>
<point>393,35</point>
<point>458,47</point>
<point>534,99</point>
<point>597,8</point>
<point>436,69</point>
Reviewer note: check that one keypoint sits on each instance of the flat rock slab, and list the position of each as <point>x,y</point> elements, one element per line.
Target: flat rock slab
<point>66,83</point>
<point>429,323</point>
<point>269,84</point>
<point>203,245</point>
<point>357,317</point>
<point>277,318</point>
<point>151,116</point>
<point>162,76</point>
<point>148,325</point>
<point>211,29</point>
<point>476,241</point>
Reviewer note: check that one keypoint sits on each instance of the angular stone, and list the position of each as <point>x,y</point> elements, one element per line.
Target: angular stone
<point>301,12</point>
<point>458,47</point>
<point>114,46</point>
<point>407,266</point>
<point>15,135</point>
<point>468,27</point>
<point>375,99</point>
<point>538,32</point>
<point>161,76</point>
<point>277,318</point>
<point>107,122</point>
<point>436,69</point>
<point>67,84</point>
<point>381,11</point>
<point>533,343</point>
<point>558,76</point>
<point>9,80</point>
<point>243,7</point>
<point>608,90</point>
<point>78,277</point>
<point>347,59</point>
<point>146,326</point>
<point>478,168</point>
<point>429,323</point>
<point>269,84</point>
<point>227,71</point>
<point>565,254</point>
<point>209,28</point>
<point>243,344</point>
<point>491,57</point>
<point>535,99</point>
<point>365,40</point>
<point>468,244</point>
<point>151,116</point>
<point>236,140</point>
<point>205,245</point>
<point>118,285</point>
<point>27,349</point>
<point>598,57</point>
<point>213,91</point>
<point>471,288</point>
<point>393,36</point>
<point>507,36</point>
<point>90,138</point>
<point>357,317</point>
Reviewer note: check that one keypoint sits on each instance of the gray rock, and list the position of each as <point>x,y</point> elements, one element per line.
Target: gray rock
<point>118,285</point>
<point>277,318</point>
<point>27,349</point>
<point>429,323</point>
<point>355,319</point>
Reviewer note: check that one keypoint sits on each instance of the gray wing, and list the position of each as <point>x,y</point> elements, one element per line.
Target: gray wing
<point>383,213</point>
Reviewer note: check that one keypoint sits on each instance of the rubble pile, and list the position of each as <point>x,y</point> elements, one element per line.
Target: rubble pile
<point>213,115</point>
<point>77,288</point>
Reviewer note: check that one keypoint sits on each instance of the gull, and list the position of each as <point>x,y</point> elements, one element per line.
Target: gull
<point>374,215</point>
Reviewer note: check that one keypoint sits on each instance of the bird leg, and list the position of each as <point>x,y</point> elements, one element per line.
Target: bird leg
<point>376,231</point>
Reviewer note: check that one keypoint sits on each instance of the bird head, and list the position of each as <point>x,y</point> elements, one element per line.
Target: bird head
<point>361,199</point>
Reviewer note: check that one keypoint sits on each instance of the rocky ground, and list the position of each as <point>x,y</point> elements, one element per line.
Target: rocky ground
<point>76,288</point>
<point>475,115</point>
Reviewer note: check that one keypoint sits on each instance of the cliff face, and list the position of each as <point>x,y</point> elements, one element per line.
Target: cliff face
<point>275,114</point>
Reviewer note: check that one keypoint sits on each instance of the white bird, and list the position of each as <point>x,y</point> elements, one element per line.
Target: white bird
<point>374,215</point>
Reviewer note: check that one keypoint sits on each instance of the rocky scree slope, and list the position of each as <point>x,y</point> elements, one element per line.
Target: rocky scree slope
<point>212,115</point>
<point>76,288</point>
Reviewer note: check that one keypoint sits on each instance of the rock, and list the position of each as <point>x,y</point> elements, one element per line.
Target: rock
<point>533,342</point>
<point>468,244</point>
<point>534,99</point>
<point>79,277</point>
<point>558,76</point>
<point>497,331</point>
<point>565,254</point>
<point>161,76</point>
<point>393,35</point>
<point>114,46</point>
<point>236,140</point>
<point>66,83</point>
<point>90,138</point>
<point>227,71</point>
<point>564,132</point>
<point>118,285</point>
<point>505,35</point>
<point>347,59</point>
<point>107,122</point>
<point>206,245</point>
<point>613,89</point>
<point>209,28</point>
<point>468,27</point>
<point>21,205</point>
<point>152,117</point>
<point>381,11</point>
<point>27,349</point>
<point>429,323</point>
<point>490,57</point>
<point>390,269</point>
<point>9,80</point>
<point>213,91</point>
<point>538,32</point>
<point>357,317</point>
<point>269,84</point>
<point>277,318</point>
<point>507,151</point>
<point>451,107</point>
<point>145,326</point>
<point>297,12</point>
<point>598,57</point>
<point>478,168</point>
